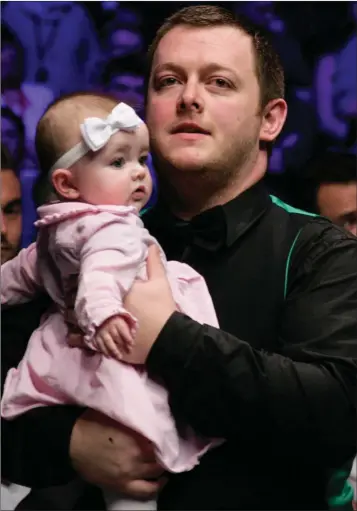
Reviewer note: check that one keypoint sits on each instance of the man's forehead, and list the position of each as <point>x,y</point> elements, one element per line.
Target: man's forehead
<point>221,44</point>
<point>10,186</point>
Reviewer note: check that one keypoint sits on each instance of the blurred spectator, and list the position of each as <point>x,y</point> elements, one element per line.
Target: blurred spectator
<point>296,142</point>
<point>123,78</point>
<point>336,84</point>
<point>13,135</point>
<point>27,100</point>
<point>122,35</point>
<point>11,214</point>
<point>62,50</point>
<point>330,188</point>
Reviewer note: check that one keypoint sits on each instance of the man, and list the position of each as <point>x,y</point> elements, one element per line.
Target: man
<point>11,217</point>
<point>330,188</point>
<point>278,381</point>
<point>13,135</point>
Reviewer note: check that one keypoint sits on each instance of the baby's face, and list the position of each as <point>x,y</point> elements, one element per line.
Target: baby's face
<point>118,174</point>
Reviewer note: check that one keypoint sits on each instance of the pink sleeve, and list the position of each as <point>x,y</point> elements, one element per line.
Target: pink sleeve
<point>110,259</point>
<point>20,280</point>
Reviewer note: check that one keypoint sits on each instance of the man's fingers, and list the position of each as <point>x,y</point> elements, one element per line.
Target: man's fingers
<point>144,490</point>
<point>154,266</point>
<point>151,470</point>
<point>75,340</point>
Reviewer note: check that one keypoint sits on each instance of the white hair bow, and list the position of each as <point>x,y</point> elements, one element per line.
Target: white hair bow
<point>97,132</point>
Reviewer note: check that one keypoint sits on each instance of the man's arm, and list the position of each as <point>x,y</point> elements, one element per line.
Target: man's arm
<point>302,398</point>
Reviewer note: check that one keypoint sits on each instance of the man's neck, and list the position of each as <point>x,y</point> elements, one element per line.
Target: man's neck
<point>189,194</point>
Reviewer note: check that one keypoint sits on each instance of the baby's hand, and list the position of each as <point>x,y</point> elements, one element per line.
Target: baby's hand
<point>113,337</point>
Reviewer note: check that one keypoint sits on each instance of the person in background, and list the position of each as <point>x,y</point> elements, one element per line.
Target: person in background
<point>11,213</point>
<point>10,192</point>
<point>329,188</point>
<point>13,136</point>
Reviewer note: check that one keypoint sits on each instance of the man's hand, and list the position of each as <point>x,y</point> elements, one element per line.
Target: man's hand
<point>112,456</point>
<point>152,303</point>
<point>114,338</point>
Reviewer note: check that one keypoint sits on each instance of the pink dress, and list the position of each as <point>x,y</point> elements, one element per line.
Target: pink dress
<point>86,258</point>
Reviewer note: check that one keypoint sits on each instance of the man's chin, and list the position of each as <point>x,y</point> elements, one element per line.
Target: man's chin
<point>188,161</point>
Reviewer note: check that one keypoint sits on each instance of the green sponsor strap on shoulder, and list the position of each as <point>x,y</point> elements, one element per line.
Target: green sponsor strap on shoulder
<point>144,211</point>
<point>340,491</point>
<point>288,208</point>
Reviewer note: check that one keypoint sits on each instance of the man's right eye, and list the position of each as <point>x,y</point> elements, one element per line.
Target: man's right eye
<point>166,81</point>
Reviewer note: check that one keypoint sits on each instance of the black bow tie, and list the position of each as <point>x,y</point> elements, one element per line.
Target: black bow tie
<point>207,231</point>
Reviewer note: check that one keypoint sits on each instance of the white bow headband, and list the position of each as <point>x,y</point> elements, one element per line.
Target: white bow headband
<point>97,132</point>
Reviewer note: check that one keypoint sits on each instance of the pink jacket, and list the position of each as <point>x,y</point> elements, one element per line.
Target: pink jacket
<point>81,261</point>
<point>87,257</point>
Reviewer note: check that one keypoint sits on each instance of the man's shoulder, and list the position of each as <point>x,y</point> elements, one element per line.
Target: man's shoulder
<point>319,241</point>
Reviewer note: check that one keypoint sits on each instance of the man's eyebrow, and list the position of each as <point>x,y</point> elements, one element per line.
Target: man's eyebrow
<point>209,68</point>
<point>12,204</point>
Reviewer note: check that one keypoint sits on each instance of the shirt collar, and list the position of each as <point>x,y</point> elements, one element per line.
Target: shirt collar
<point>218,226</point>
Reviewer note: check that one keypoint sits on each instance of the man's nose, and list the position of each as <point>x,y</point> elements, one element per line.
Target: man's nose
<point>190,98</point>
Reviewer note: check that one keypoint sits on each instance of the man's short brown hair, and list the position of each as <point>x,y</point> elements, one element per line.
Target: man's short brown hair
<point>269,70</point>
<point>6,160</point>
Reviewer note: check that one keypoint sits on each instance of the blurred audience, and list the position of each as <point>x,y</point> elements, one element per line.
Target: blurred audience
<point>122,35</point>
<point>336,84</point>
<point>27,100</point>
<point>330,189</point>
<point>296,142</point>
<point>62,47</point>
<point>123,78</point>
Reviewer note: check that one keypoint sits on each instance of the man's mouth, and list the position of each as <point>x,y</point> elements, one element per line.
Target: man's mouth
<point>189,128</point>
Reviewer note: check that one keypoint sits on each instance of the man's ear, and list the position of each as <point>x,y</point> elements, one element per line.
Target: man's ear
<point>274,116</point>
<point>64,184</point>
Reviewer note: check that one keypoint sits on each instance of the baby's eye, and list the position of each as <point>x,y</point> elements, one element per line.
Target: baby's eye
<point>143,160</point>
<point>119,162</point>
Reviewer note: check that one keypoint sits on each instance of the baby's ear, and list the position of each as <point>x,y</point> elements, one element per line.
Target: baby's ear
<point>64,184</point>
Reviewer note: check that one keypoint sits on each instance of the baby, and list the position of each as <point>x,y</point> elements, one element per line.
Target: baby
<point>90,248</point>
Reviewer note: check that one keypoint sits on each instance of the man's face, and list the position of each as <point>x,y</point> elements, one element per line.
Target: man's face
<point>211,71</point>
<point>338,202</point>
<point>11,218</point>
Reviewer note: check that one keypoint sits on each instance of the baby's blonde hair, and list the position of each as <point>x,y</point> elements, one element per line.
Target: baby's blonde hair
<point>59,128</point>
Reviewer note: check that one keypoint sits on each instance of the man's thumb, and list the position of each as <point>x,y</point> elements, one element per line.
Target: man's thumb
<point>154,266</point>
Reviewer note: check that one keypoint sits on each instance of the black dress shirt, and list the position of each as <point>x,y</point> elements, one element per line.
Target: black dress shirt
<point>277,380</point>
